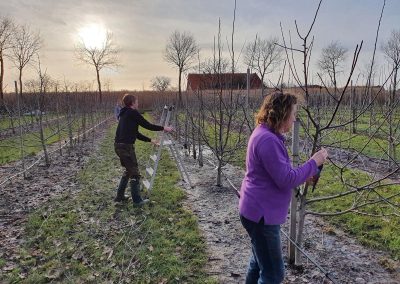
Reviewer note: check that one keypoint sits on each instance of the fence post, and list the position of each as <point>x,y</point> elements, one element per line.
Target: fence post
<point>20,129</point>
<point>293,204</point>
<point>248,89</point>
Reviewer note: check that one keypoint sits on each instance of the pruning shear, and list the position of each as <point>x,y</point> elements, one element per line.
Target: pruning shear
<point>316,177</point>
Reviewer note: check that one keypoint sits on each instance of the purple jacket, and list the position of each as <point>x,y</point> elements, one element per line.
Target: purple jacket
<point>267,186</point>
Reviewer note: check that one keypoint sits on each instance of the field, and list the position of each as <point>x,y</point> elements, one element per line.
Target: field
<point>81,236</point>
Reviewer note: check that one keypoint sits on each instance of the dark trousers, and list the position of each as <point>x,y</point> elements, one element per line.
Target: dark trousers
<point>127,157</point>
<point>266,263</point>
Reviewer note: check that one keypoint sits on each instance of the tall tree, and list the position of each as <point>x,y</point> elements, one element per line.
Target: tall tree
<point>212,66</point>
<point>104,56</point>
<point>160,83</point>
<point>391,49</point>
<point>180,51</point>
<point>6,31</point>
<point>25,45</point>
<point>331,59</point>
<point>263,55</point>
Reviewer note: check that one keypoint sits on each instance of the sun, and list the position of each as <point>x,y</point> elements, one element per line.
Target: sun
<point>93,36</point>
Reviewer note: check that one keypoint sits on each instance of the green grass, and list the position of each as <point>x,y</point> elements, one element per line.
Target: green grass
<point>32,145</point>
<point>5,122</point>
<point>376,148</point>
<point>377,232</point>
<point>85,238</point>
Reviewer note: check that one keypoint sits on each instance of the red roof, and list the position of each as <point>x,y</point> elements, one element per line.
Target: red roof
<point>224,81</point>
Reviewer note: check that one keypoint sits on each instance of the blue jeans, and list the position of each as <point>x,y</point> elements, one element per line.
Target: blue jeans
<point>266,263</point>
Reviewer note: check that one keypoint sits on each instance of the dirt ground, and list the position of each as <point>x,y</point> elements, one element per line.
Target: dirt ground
<point>20,196</point>
<point>229,246</point>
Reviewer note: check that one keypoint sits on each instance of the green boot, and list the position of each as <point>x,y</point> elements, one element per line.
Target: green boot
<point>135,191</point>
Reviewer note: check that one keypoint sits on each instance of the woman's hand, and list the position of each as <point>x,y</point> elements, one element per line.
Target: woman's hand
<point>320,156</point>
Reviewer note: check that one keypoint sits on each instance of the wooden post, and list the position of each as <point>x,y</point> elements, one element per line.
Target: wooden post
<point>21,140</point>
<point>293,204</point>
<point>248,89</point>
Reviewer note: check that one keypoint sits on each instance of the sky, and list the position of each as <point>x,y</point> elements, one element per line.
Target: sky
<point>141,28</point>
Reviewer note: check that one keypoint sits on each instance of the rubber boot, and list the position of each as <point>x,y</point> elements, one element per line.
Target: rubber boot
<point>121,189</point>
<point>135,191</point>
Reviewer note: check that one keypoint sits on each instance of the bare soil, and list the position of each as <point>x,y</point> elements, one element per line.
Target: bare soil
<point>21,195</point>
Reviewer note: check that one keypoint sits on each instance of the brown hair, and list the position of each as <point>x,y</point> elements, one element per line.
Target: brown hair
<point>276,109</point>
<point>128,100</point>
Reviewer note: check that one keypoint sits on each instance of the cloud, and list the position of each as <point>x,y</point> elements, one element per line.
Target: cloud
<point>141,28</point>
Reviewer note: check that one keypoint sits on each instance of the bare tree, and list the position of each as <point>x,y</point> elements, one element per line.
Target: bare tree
<point>180,51</point>
<point>264,56</point>
<point>26,44</point>
<point>217,113</point>
<point>6,31</point>
<point>160,83</point>
<point>212,66</point>
<point>101,57</point>
<point>391,49</point>
<point>44,82</point>
<point>331,59</point>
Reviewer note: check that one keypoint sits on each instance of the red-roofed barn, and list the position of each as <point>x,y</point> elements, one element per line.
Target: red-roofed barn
<point>224,81</point>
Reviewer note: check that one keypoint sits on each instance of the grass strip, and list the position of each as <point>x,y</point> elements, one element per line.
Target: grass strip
<point>85,238</point>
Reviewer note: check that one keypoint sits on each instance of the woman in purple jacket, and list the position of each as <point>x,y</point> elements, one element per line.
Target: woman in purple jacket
<point>267,186</point>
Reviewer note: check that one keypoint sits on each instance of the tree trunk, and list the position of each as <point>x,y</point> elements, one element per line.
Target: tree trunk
<point>262,86</point>
<point>200,160</point>
<point>179,86</point>
<point>201,126</point>
<point>99,83</point>
<point>194,142</point>
<point>21,141</point>
<point>219,173</point>
<point>186,134</point>
<point>42,139</point>
<point>20,83</point>
<point>1,78</point>
<point>293,204</point>
<point>301,217</point>
<point>92,124</point>
<point>58,126</point>
<point>220,150</point>
<point>392,145</point>
<point>247,90</point>
<point>352,109</point>
<point>83,126</point>
<point>69,119</point>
